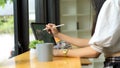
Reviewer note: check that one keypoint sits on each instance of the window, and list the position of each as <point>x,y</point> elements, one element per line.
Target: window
<point>6,30</point>
<point>31,17</point>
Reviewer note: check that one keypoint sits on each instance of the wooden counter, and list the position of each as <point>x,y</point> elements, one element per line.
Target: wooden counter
<point>29,60</point>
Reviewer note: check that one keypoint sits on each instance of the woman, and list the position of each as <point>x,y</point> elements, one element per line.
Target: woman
<point>104,40</point>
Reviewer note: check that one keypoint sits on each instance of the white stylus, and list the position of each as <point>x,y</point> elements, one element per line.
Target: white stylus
<point>55,26</point>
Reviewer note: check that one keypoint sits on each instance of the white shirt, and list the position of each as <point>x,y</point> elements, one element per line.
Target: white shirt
<point>106,38</point>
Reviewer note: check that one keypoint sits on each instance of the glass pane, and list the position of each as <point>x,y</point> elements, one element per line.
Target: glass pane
<point>31,17</point>
<point>6,29</point>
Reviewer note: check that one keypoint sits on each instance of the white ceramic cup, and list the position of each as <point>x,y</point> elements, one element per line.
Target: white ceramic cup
<point>44,52</point>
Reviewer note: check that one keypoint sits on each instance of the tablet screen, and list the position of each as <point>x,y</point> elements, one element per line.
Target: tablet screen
<point>39,34</point>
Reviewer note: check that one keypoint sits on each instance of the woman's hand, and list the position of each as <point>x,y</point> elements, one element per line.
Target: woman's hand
<point>52,29</point>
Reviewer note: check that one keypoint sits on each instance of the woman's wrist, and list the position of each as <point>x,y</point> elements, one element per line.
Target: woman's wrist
<point>60,52</point>
<point>57,52</point>
<point>65,51</point>
<point>57,34</point>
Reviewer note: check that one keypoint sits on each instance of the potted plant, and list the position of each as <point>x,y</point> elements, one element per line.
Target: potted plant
<point>33,43</point>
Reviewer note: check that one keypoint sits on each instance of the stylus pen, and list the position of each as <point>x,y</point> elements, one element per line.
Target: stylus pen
<point>55,26</point>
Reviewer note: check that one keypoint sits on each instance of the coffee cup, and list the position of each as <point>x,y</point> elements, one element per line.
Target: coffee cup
<point>44,52</point>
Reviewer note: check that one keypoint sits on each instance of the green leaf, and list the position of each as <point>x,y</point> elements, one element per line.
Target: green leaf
<point>2,3</point>
<point>34,42</point>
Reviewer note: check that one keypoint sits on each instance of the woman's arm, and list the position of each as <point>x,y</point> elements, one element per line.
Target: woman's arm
<point>80,52</point>
<point>74,41</point>
<point>87,52</point>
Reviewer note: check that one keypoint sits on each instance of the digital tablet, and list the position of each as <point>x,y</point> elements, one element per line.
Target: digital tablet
<point>39,34</point>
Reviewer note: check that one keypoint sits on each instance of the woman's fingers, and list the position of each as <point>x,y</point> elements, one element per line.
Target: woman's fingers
<point>51,28</point>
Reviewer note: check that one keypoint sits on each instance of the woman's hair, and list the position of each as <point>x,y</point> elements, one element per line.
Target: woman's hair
<point>97,4</point>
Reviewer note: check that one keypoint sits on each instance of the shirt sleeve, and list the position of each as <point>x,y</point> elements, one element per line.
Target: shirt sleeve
<point>107,31</point>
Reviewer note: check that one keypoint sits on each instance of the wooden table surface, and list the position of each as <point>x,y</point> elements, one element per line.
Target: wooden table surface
<point>29,60</point>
